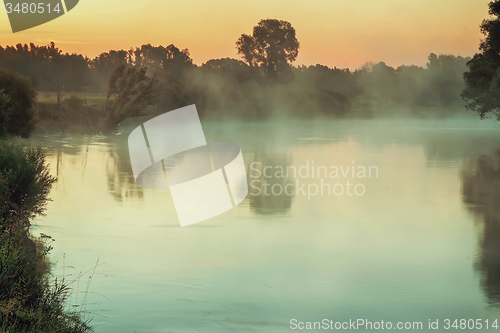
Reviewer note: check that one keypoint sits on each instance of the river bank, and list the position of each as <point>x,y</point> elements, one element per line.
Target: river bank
<point>31,300</point>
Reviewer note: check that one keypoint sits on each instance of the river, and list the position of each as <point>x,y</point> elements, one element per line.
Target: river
<point>422,242</point>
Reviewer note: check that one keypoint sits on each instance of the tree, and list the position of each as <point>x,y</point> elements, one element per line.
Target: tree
<point>109,61</point>
<point>482,80</point>
<point>224,65</point>
<point>46,66</point>
<point>17,106</point>
<point>272,47</point>
<point>232,69</point>
<point>170,59</point>
<point>445,74</point>
<point>130,92</point>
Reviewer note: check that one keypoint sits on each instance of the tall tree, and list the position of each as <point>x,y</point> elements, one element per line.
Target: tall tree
<point>273,46</point>
<point>482,91</point>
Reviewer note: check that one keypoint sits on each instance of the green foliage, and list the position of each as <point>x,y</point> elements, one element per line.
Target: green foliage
<point>26,181</point>
<point>18,107</point>
<point>482,91</point>
<point>273,47</point>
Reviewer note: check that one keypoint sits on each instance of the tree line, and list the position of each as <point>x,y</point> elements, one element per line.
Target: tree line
<point>49,69</point>
<point>151,79</point>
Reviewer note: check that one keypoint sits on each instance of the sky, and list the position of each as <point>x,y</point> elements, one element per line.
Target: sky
<point>335,33</point>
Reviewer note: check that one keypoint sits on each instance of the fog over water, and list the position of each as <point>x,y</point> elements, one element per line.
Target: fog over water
<point>421,243</point>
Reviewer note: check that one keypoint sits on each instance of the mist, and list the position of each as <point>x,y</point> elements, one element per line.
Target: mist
<point>73,88</point>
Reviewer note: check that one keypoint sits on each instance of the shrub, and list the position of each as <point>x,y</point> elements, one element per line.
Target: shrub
<point>20,103</point>
<point>26,181</point>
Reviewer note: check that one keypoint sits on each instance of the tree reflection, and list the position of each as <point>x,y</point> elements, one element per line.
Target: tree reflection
<point>76,152</point>
<point>273,203</point>
<point>481,194</point>
<point>119,175</point>
<point>453,146</point>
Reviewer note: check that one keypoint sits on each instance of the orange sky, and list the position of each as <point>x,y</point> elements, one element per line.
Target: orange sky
<point>342,33</point>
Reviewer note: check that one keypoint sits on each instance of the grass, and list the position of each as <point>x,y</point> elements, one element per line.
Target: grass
<point>93,99</point>
<point>78,112</point>
<point>29,300</point>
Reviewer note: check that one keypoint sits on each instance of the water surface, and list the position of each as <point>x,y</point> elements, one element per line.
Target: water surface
<point>421,243</point>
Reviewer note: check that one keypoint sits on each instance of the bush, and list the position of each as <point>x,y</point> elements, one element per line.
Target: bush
<point>26,180</point>
<point>19,106</point>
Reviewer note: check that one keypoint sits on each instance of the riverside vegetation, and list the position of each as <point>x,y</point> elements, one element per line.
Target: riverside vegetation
<point>30,299</point>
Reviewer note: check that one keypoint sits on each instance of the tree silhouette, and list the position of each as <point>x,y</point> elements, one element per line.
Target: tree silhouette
<point>482,91</point>
<point>109,61</point>
<point>46,66</point>
<point>272,47</point>
<point>130,92</point>
<point>445,77</point>
<point>170,59</point>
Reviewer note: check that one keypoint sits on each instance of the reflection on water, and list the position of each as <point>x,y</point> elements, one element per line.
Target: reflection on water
<point>261,198</point>
<point>404,251</point>
<point>120,179</point>
<point>481,194</point>
<point>75,151</point>
<point>453,144</point>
